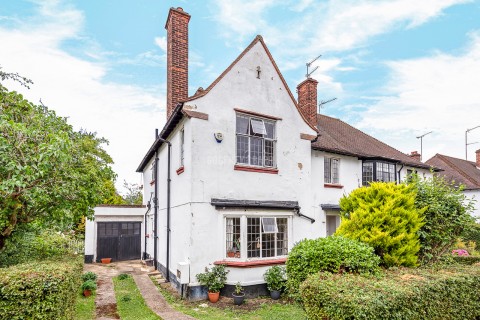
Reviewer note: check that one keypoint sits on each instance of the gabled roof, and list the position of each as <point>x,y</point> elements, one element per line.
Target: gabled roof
<point>339,137</point>
<point>258,38</point>
<point>458,170</point>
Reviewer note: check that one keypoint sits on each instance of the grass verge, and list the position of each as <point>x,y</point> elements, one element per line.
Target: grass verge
<point>130,303</point>
<point>252,309</point>
<point>85,306</point>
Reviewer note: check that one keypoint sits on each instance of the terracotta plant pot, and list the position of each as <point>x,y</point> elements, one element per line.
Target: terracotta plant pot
<point>230,254</point>
<point>106,260</point>
<point>213,296</point>
<point>87,293</point>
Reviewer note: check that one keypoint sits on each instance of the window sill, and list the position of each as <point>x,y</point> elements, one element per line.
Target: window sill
<point>255,169</point>
<point>251,264</point>
<point>180,170</point>
<point>152,182</point>
<point>331,185</point>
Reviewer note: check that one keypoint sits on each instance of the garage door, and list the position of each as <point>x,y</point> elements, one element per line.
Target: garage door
<point>118,240</point>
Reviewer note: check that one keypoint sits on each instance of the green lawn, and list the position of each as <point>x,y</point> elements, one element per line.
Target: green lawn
<point>85,307</point>
<point>279,310</point>
<point>130,303</point>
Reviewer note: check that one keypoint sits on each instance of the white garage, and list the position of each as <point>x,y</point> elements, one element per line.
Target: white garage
<point>117,232</point>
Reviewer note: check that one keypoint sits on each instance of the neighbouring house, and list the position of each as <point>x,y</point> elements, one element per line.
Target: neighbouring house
<point>242,170</point>
<point>461,172</point>
<point>117,232</point>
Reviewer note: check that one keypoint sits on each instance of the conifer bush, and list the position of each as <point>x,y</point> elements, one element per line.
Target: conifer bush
<point>384,216</point>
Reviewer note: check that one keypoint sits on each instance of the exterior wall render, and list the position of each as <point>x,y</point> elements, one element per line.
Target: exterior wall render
<point>475,195</point>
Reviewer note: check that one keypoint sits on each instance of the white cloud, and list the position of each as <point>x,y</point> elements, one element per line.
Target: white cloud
<point>161,42</point>
<point>438,93</point>
<point>76,88</point>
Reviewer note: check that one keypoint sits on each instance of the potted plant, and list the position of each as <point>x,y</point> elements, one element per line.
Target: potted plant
<point>106,260</point>
<point>275,279</point>
<point>88,286</point>
<point>214,280</point>
<point>238,294</point>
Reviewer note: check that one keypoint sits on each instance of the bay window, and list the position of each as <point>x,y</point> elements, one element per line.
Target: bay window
<point>254,237</point>
<point>256,140</point>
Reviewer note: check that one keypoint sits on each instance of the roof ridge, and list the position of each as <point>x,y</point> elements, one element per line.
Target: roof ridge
<point>389,146</point>
<point>450,163</point>
<point>258,38</point>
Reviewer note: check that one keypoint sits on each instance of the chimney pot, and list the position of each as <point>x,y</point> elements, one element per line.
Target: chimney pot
<point>177,58</point>
<point>307,100</point>
<point>415,155</point>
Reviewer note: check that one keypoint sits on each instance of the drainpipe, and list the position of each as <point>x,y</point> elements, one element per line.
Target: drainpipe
<point>168,206</point>
<point>155,210</point>
<point>149,207</point>
<point>399,173</point>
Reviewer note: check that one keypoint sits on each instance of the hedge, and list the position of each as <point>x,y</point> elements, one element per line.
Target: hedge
<point>331,254</point>
<point>468,260</point>
<point>404,294</point>
<point>40,290</point>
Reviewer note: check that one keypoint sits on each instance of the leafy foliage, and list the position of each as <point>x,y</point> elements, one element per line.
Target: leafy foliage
<point>330,254</point>
<point>446,217</point>
<point>134,193</point>
<point>275,278</point>
<point>39,245</point>
<point>472,234</point>
<point>384,216</point>
<point>467,260</point>
<point>48,172</point>
<point>89,285</point>
<point>123,276</point>
<point>400,293</point>
<point>214,279</point>
<point>40,290</point>
<point>89,276</point>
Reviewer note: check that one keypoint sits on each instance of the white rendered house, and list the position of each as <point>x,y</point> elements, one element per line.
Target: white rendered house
<point>241,171</point>
<point>461,172</point>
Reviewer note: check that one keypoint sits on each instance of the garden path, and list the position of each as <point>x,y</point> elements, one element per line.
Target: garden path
<point>105,302</point>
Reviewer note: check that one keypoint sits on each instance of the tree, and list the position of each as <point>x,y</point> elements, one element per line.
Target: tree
<point>446,218</point>
<point>134,193</point>
<point>49,173</point>
<point>384,216</point>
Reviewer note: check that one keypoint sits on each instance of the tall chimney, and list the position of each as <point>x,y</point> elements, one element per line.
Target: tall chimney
<point>478,158</point>
<point>177,58</point>
<point>415,155</point>
<point>307,100</point>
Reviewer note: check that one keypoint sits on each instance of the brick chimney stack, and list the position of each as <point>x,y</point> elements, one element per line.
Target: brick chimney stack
<point>307,100</point>
<point>478,158</point>
<point>177,58</point>
<point>415,155</point>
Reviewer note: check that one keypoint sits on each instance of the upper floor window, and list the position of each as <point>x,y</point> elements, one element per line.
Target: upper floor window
<point>256,140</point>
<point>182,147</point>
<point>331,168</point>
<point>378,171</point>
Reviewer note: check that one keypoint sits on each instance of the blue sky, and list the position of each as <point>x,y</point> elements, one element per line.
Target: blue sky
<point>398,68</point>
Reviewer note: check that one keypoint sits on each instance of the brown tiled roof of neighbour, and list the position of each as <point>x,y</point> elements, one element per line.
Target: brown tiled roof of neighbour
<point>258,38</point>
<point>339,137</point>
<point>458,170</point>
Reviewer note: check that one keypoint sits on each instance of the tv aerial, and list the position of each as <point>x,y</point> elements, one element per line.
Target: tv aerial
<point>322,103</point>
<point>309,64</point>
